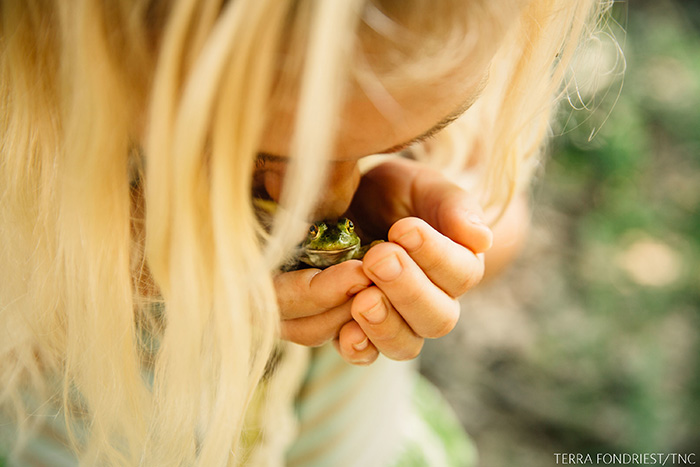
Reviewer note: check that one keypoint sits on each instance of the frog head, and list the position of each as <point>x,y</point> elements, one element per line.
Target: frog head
<point>330,242</point>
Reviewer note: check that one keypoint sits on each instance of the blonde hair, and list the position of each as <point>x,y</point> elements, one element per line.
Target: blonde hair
<point>502,137</point>
<point>116,108</point>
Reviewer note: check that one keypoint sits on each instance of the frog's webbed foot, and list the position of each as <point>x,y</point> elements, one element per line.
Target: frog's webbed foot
<point>363,249</point>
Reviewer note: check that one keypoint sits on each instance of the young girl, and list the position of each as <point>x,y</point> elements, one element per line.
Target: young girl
<point>145,317</point>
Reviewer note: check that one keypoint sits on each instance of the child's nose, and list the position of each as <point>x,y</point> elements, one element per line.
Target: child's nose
<point>342,181</point>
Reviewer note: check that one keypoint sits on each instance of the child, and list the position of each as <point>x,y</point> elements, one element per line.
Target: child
<point>145,317</point>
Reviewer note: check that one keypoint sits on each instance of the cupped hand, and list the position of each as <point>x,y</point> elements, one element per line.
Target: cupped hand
<point>434,254</point>
<point>315,304</point>
<point>405,289</point>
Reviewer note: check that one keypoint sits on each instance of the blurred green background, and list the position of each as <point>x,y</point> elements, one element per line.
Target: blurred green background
<point>589,343</point>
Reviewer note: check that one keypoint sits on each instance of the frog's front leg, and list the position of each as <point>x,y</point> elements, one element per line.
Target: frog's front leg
<point>360,253</point>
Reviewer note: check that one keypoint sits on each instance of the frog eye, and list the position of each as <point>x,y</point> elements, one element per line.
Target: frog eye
<point>313,231</point>
<point>349,225</point>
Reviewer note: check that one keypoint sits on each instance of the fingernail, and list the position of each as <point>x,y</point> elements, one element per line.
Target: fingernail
<point>411,240</point>
<point>360,346</point>
<point>355,289</point>
<point>387,269</point>
<point>375,315</point>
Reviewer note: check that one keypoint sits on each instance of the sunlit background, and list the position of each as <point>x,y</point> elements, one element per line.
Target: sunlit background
<point>590,342</point>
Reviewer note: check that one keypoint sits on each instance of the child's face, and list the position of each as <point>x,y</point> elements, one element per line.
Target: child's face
<point>368,127</point>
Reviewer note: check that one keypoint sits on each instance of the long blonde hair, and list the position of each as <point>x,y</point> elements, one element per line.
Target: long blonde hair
<point>135,281</point>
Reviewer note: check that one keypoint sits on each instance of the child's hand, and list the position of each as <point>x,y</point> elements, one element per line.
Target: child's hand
<point>315,304</point>
<point>434,255</point>
<point>404,290</point>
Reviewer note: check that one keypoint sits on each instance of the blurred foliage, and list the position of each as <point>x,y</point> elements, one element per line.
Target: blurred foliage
<point>635,191</point>
<point>610,286</point>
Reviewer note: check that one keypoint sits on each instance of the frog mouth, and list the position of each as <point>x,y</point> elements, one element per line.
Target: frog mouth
<point>331,252</point>
<point>324,258</point>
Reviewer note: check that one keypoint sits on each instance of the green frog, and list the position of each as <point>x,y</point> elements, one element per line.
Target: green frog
<point>332,242</point>
<point>328,242</point>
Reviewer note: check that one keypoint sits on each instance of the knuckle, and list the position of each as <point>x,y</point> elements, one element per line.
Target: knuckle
<point>471,276</point>
<point>409,352</point>
<point>410,296</point>
<point>434,262</point>
<point>447,322</point>
<point>463,287</point>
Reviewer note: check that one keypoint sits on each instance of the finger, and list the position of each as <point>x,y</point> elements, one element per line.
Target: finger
<point>354,346</point>
<point>316,330</point>
<point>311,291</point>
<point>449,265</point>
<point>384,326</point>
<point>408,188</point>
<point>451,210</point>
<point>428,310</point>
